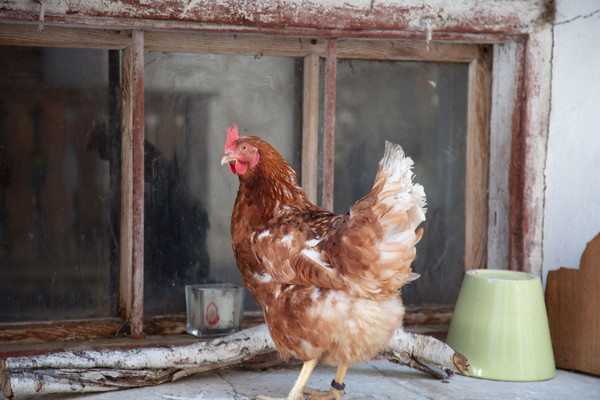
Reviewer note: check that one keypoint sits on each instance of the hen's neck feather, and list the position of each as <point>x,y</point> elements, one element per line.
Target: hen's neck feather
<point>271,187</point>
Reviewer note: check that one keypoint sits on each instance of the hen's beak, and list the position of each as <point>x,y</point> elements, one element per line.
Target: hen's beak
<point>228,157</point>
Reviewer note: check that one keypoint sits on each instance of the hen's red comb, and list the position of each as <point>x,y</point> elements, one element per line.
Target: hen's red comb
<point>232,136</point>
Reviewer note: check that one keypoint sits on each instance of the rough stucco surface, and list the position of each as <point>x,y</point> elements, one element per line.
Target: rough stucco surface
<point>572,208</point>
<point>499,16</point>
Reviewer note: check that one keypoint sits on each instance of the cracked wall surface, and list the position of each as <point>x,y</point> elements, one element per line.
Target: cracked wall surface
<point>572,209</point>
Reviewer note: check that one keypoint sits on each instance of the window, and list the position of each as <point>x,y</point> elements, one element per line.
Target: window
<point>196,85</point>
<point>57,200</point>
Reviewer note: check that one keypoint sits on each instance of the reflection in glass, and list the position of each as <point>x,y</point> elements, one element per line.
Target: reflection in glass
<point>58,224</point>
<point>190,100</point>
<point>423,107</point>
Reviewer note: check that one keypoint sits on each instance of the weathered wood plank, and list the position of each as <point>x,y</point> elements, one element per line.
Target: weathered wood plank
<point>137,278</point>
<point>429,315</point>
<point>477,179</point>
<point>329,124</point>
<point>61,36</point>
<point>224,43</point>
<point>67,333</point>
<point>19,339</point>
<point>507,98</point>
<point>23,339</point>
<point>531,144</point>
<point>132,186</point>
<point>59,330</point>
<point>126,239</point>
<point>310,126</point>
<point>573,301</point>
<point>406,50</point>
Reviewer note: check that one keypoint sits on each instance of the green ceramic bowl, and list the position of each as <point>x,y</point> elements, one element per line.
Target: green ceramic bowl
<point>500,325</point>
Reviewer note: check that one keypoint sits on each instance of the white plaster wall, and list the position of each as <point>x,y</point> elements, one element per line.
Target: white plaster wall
<point>572,203</point>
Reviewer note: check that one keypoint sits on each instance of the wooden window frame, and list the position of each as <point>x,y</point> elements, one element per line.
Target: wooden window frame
<point>516,57</point>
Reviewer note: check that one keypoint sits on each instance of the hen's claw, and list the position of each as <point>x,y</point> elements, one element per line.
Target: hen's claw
<point>309,394</point>
<point>301,392</point>
<point>314,394</point>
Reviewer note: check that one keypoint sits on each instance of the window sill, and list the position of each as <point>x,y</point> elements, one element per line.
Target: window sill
<point>26,339</point>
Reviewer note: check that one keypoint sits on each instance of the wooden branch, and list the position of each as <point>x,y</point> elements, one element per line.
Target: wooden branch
<point>425,353</point>
<point>106,370</point>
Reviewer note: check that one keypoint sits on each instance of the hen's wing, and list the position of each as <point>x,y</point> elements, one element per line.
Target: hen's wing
<point>289,249</point>
<point>369,251</point>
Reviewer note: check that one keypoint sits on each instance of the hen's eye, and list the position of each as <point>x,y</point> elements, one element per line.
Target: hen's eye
<point>243,147</point>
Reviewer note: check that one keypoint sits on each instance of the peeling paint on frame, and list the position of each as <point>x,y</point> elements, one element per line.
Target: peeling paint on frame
<point>386,18</point>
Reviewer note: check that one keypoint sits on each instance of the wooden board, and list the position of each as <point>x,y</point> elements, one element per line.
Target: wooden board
<point>573,301</point>
<point>478,155</point>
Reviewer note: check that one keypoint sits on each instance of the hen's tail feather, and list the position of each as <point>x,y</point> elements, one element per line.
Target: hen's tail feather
<point>399,206</point>
<point>413,276</point>
<point>399,194</point>
<point>400,209</point>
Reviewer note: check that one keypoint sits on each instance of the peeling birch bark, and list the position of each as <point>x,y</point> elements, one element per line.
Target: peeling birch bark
<point>107,370</point>
<point>425,353</point>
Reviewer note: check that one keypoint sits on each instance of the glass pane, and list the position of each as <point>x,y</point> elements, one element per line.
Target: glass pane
<point>423,107</point>
<point>190,101</point>
<point>57,188</point>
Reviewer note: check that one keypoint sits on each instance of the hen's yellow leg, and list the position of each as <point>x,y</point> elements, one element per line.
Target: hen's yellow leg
<point>336,391</point>
<point>297,390</point>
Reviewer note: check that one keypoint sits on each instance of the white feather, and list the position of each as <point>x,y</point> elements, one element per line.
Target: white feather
<point>411,196</point>
<point>287,240</point>
<point>263,234</point>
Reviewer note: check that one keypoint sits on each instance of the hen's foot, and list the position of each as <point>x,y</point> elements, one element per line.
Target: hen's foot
<point>313,394</point>
<point>309,394</point>
<point>296,392</point>
<point>335,393</point>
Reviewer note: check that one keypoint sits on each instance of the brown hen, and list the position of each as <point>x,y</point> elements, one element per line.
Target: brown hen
<point>328,284</point>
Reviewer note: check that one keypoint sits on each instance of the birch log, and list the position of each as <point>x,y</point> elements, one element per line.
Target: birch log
<point>425,353</point>
<point>106,370</point>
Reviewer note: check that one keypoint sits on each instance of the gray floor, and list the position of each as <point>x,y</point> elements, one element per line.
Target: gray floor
<point>378,379</point>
